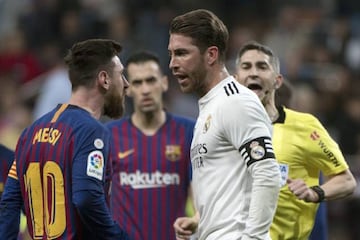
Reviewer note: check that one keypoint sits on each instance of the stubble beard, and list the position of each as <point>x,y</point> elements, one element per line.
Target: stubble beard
<point>114,104</point>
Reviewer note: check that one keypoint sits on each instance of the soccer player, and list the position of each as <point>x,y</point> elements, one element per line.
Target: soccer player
<point>6,159</point>
<point>151,156</point>
<point>235,177</point>
<point>61,159</point>
<point>302,147</point>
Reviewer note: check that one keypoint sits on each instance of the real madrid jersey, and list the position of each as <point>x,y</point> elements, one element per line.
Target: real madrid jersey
<point>235,176</point>
<point>303,148</point>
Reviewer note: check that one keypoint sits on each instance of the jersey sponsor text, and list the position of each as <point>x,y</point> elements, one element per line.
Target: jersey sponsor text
<point>140,180</point>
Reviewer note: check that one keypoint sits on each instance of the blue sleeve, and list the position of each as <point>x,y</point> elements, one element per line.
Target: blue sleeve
<point>90,172</point>
<point>95,214</point>
<point>10,206</point>
<point>320,229</point>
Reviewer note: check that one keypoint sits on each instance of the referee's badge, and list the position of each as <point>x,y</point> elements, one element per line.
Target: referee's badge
<point>256,150</point>
<point>173,152</point>
<point>207,124</point>
<point>284,172</point>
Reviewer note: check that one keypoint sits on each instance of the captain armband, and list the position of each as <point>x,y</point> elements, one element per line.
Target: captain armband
<point>256,150</point>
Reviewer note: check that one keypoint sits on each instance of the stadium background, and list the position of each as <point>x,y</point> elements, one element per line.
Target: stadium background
<point>318,42</point>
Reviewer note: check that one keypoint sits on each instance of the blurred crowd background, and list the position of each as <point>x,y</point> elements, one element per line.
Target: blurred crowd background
<point>318,42</point>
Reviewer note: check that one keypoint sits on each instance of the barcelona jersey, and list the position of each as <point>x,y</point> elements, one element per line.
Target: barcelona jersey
<point>151,176</point>
<point>60,168</point>
<point>6,159</point>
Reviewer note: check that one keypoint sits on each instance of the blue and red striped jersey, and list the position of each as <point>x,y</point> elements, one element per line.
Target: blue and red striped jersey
<point>60,168</point>
<point>151,176</point>
<point>6,159</point>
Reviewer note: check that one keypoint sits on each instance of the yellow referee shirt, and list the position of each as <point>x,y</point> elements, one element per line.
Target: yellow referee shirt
<point>303,148</point>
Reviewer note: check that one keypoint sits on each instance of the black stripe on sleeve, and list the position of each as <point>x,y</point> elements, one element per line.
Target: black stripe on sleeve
<point>256,150</point>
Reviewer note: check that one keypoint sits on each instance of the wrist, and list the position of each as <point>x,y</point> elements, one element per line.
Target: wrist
<point>320,192</point>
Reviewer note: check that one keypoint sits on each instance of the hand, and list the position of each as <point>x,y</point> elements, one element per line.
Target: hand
<point>185,227</point>
<point>299,188</point>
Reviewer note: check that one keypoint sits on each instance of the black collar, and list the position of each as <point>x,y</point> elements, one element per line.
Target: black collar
<point>282,115</point>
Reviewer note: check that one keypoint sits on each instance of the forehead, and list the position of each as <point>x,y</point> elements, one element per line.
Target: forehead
<point>179,41</point>
<point>142,70</point>
<point>255,56</point>
<point>117,62</point>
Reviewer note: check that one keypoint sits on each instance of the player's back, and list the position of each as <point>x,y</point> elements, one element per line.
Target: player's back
<point>44,163</point>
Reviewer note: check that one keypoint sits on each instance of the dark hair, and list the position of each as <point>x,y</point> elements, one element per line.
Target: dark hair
<point>253,45</point>
<point>85,59</point>
<point>143,56</point>
<point>205,28</point>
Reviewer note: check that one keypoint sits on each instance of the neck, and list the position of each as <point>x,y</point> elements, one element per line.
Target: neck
<point>272,112</point>
<point>213,78</point>
<point>88,100</point>
<point>149,123</point>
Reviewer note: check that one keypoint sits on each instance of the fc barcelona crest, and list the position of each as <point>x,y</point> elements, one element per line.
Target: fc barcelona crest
<point>173,152</point>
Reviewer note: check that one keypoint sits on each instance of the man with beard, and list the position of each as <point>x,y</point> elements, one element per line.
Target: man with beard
<point>302,147</point>
<point>235,175</point>
<point>61,159</point>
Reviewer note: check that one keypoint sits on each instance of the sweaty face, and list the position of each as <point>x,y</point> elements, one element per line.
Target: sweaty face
<point>115,97</point>
<point>146,86</point>
<point>255,71</point>
<point>186,63</point>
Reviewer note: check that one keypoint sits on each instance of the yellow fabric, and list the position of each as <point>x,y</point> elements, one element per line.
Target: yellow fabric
<point>302,145</point>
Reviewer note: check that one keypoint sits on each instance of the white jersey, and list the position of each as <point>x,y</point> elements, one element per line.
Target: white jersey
<point>236,178</point>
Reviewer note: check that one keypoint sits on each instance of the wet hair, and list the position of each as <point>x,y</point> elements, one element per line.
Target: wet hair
<point>85,59</point>
<point>205,29</point>
<point>253,45</point>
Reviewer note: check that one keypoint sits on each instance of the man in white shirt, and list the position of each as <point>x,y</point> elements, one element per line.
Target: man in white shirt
<point>236,179</point>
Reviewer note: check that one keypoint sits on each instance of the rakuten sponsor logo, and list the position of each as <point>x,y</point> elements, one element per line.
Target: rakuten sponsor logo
<point>156,179</point>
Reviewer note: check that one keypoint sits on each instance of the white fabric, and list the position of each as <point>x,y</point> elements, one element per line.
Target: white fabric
<point>225,188</point>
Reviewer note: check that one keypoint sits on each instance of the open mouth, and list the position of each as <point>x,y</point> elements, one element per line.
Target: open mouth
<point>254,87</point>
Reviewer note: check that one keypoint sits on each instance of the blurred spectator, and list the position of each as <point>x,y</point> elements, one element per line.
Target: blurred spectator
<point>55,87</point>
<point>17,59</point>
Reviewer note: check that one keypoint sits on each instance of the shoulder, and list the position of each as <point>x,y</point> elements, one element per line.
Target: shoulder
<point>6,153</point>
<point>182,120</point>
<point>233,94</point>
<point>117,122</point>
<point>302,118</point>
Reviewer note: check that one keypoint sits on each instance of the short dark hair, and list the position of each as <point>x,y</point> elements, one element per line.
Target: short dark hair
<point>85,59</point>
<point>253,45</point>
<point>205,28</point>
<point>142,56</point>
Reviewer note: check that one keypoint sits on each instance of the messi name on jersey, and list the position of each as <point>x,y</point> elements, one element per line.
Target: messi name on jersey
<point>46,135</point>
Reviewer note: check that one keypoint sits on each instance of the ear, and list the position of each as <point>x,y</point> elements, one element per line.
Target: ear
<point>278,81</point>
<point>236,77</point>
<point>103,80</point>
<point>212,54</point>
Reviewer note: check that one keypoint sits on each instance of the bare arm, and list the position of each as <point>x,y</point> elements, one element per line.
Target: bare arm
<point>335,187</point>
<point>339,186</point>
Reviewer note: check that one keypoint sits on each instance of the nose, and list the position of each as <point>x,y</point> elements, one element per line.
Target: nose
<point>126,83</point>
<point>253,71</point>
<point>172,63</point>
